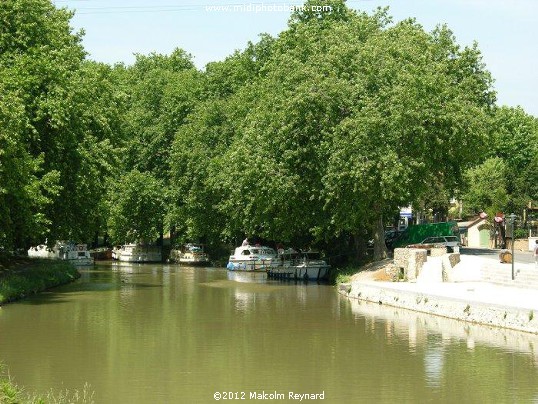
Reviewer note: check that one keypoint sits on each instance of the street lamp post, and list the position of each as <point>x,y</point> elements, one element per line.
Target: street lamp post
<point>512,221</point>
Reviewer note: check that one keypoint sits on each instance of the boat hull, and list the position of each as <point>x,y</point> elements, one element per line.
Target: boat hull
<point>82,262</point>
<point>193,263</point>
<point>296,272</point>
<point>139,258</point>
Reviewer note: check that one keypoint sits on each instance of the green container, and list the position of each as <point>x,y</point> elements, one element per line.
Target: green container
<point>416,233</point>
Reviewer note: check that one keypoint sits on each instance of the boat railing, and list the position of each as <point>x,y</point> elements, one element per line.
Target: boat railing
<point>257,265</point>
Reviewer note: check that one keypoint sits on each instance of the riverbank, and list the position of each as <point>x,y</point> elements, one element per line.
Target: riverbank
<point>472,300</point>
<point>21,277</point>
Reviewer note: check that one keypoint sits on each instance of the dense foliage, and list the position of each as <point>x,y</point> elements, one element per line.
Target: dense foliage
<point>59,118</point>
<point>316,136</point>
<point>136,207</point>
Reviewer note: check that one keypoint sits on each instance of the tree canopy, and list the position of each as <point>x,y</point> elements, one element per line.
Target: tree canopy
<point>319,134</point>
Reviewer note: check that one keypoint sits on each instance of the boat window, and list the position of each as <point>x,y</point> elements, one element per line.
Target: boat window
<point>255,251</point>
<point>245,252</point>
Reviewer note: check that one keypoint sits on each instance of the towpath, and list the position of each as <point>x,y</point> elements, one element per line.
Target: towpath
<point>484,293</point>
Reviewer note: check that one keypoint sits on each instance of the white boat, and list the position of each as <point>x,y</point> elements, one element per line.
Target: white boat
<point>252,258</point>
<point>78,254</point>
<point>308,266</point>
<point>137,253</point>
<point>42,251</point>
<point>190,254</point>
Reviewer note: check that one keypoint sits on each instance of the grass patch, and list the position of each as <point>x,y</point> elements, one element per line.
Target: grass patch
<point>21,277</point>
<point>11,393</point>
<point>343,275</point>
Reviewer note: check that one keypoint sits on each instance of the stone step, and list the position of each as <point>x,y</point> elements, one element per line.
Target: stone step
<point>431,271</point>
<point>524,277</point>
<point>528,274</point>
<point>527,281</point>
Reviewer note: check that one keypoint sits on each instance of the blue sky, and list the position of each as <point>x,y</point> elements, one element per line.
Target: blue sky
<point>506,31</point>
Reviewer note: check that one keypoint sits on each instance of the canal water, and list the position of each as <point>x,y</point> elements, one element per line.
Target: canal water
<point>168,334</point>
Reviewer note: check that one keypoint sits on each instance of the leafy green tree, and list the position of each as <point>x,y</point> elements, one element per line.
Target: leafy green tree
<point>193,210</point>
<point>419,118</point>
<point>486,188</point>
<point>136,208</point>
<point>272,171</point>
<point>23,197</point>
<point>225,78</point>
<point>515,141</point>
<point>39,54</point>
<point>315,135</point>
<point>72,122</point>
<point>205,137</point>
<point>507,179</point>
<point>347,118</point>
<point>162,92</point>
<point>89,155</point>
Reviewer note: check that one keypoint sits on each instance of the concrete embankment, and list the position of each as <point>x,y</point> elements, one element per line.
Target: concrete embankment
<point>505,304</point>
<point>23,277</point>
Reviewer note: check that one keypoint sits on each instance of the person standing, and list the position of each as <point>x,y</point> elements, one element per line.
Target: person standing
<point>536,254</point>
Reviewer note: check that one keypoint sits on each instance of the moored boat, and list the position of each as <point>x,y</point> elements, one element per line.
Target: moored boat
<point>308,266</point>
<point>42,251</point>
<point>252,258</point>
<point>190,254</point>
<point>137,253</point>
<point>78,254</point>
<point>101,254</point>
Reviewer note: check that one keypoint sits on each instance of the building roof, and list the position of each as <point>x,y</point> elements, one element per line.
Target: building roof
<point>471,223</point>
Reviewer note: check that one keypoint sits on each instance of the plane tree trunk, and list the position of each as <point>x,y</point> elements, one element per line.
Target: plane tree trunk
<point>380,249</point>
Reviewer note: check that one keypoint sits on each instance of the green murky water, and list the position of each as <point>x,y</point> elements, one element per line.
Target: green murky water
<point>170,334</point>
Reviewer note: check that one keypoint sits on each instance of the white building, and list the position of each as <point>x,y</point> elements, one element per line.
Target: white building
<point>475,233</point>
